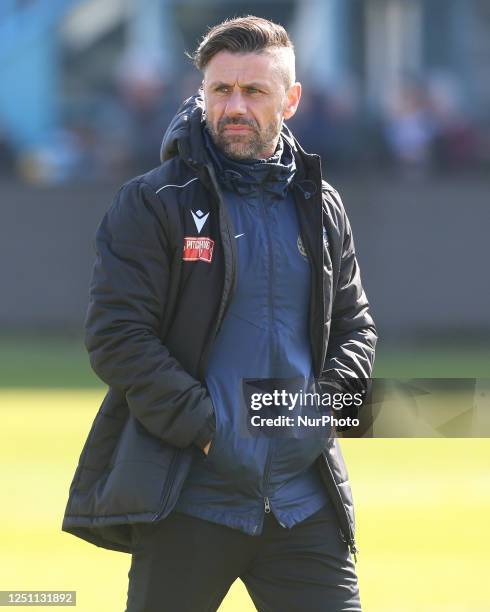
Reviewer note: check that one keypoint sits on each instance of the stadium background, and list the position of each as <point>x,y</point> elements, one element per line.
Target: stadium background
<point>397,102</point>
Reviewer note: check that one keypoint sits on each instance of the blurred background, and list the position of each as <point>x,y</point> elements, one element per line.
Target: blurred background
<point>397,102</point>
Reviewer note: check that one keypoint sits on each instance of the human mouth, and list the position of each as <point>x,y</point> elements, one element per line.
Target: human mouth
<point>237,129</point>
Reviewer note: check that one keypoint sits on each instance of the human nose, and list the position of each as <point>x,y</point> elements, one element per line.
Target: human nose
<point>236,104</point>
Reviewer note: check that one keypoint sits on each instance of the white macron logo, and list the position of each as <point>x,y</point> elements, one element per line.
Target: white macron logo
<point>199,219</point>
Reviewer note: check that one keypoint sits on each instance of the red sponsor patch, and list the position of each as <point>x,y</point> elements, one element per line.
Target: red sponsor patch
<point>198,249</point>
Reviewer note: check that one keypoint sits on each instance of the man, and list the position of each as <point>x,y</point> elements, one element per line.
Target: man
<point>232,260</point>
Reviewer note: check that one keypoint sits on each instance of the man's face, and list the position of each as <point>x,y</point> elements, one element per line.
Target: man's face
<point>246,100</point>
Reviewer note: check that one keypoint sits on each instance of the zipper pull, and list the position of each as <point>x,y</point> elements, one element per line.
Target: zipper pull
<point>353,549</point>
<point>267,506</point>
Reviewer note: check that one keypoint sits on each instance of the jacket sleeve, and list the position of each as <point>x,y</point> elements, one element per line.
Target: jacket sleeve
<point>126,304</point>
<point>353,336</point>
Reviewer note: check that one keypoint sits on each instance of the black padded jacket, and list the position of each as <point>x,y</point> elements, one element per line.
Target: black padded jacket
<point>152,319</point>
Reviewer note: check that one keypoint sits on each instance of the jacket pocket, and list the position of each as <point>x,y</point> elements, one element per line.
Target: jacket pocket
<point>220,456</point>
<point>215,439</point>
<point>234,460</point>
<point>137,444</point>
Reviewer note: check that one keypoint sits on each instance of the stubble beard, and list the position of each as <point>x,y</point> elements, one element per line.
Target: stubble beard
<point>255,145</point>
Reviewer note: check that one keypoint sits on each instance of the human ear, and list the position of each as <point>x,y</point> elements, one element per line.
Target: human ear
<point>293,96</point>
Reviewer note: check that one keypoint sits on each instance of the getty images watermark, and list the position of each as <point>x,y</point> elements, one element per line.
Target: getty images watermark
<point>296,407</point>
<point>299,404</point>
<point>367,408</point>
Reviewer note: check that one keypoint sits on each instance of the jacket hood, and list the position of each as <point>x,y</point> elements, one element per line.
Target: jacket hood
<point>184,135</point>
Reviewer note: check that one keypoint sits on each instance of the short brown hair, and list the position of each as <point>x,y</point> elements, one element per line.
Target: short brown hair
<point>247,34</point>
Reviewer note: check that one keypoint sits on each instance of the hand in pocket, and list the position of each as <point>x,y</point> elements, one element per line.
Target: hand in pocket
<point>211,446</point>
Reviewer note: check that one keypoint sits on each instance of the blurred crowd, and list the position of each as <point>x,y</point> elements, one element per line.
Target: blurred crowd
<point>423,125</point>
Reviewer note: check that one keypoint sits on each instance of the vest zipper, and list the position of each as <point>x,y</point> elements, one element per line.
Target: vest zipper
<point>268,462</point>
<point>262,206</point>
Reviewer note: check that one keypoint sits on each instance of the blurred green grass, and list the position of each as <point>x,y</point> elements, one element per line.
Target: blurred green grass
<point>46,363</point>
<point>418,535</point>
<point>63,363</point>
<point>422,510</point>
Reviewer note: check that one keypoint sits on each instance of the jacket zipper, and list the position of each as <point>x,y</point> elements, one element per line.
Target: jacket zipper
<point>351,540</point>
<point>315,256</point>
<point>168,486</point>
<point>226,298</point>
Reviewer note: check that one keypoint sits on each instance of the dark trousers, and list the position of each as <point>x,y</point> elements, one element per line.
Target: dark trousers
<point>186,564</point>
